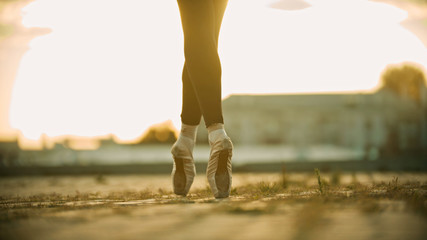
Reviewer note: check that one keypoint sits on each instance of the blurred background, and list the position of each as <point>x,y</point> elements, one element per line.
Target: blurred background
<point>95,86</point>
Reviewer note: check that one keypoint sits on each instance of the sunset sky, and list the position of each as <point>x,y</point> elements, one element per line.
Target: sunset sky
<point>115,66</point>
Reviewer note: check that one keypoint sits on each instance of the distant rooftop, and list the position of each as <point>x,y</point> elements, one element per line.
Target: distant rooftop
<point>376,99</point>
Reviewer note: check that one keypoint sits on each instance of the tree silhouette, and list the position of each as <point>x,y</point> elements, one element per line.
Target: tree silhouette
<point>160,133</point>
<point>406,80</point>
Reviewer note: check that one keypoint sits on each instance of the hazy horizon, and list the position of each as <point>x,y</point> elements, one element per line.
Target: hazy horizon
<point>97,73</point>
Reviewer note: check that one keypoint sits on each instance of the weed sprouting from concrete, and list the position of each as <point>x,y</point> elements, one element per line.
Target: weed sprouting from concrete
<point>393,185</point>
<point>268,188</point>
<point>319,181</point>
<point>336,178</point>
<point>284,178</point>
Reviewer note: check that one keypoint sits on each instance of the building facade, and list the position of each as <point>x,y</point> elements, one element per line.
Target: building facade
<point>379,121</point>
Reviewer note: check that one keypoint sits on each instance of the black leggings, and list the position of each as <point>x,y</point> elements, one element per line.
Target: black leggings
<point>201,76</point>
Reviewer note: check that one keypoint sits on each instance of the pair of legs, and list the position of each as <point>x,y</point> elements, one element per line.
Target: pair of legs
<point>201,76</point>
<point>201,83</point>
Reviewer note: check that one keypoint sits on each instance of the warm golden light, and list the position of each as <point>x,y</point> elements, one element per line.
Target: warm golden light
<point>110,67</point>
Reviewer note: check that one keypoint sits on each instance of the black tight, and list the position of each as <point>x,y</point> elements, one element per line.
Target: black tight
<point>201,76</point>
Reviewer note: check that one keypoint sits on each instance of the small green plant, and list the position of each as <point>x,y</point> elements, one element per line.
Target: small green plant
<point>393,185</point>
<point>285,181</point>
<point>319,180</point>
<point>336,178</point>
<point>233,191</point>
<point>267,188</point>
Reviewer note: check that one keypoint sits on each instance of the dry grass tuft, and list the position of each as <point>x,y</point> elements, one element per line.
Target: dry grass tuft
<point>368,197</point>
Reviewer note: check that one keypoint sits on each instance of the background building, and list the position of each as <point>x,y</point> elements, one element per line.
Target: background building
<point>377,123</point>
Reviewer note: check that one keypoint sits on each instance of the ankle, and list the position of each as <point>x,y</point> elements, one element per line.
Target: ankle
<point>214,127</point>
<point>183,147</point>
<point>189,131</point>
<point>216,133</point>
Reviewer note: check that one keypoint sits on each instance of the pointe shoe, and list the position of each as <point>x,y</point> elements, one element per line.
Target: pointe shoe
<point>219,168</point>
<point>183,171</point>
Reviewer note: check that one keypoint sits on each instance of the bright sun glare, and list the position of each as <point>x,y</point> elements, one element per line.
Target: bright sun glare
<point>115,66</point>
